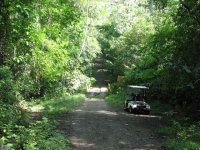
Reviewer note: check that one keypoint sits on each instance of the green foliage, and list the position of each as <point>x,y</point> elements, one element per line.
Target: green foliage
<point>7,87</point>
<point>123,49</point>
<point>116,100</point>
<point>40,55</point>
<point>60,105</point>
<point>182,136</point>
<point>39,135</point>
<point>9,111</point>
<point>29,134</point>
<point>42,43</point>
<point>160,108</point>
<point>160,49</point>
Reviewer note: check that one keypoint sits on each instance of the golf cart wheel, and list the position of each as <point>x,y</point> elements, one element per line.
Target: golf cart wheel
<point>130,109</point>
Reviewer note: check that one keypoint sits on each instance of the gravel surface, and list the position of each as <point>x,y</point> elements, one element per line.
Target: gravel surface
<point>96,126</point>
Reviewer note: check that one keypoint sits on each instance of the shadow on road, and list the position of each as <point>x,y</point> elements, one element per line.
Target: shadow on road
<point>95,92</point>
<point>96,126</point>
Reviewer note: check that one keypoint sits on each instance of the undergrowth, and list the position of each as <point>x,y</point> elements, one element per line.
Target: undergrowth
<point>182,135</point>
<point>116,100</point>
<point>28,134</point>
<point>160,108</point>
<point>37,135</point>
<point>58,105</point>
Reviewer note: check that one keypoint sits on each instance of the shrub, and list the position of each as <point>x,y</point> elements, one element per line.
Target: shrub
<point>182,136</point>
<point>116,100</point>
<point>39,135</point>
<point>7,86</point>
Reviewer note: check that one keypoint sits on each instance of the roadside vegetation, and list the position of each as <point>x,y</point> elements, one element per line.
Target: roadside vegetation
<point>54,106</point>
<point>43,67</point>
<point>182,134</point>
<point>116,100</point>
<point>37,126</point>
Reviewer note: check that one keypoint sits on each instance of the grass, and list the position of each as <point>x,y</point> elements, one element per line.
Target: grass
<point>64,104</point>
<point>55,105</point>
<point>116,100</point>
<point>42,133</point>
<point>184,136</point>
<point>180,132</point>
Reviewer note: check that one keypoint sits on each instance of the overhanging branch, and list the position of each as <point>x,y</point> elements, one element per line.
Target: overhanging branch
<point>190,12</point>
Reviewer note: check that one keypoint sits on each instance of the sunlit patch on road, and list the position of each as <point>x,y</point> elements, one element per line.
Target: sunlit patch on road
<point>106,112</point>
<point>140,115</point>
<point>97,90</point>
<point>93,98</point>
<point>102,112</point>
<point>81,143</point>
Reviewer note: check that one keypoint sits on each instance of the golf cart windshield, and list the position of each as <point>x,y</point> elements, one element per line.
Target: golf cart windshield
<point>137,93</point>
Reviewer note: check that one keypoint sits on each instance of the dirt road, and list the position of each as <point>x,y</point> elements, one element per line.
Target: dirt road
<point>96,126</point>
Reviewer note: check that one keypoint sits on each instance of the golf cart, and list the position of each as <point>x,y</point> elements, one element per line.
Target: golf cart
<point>135,101</point>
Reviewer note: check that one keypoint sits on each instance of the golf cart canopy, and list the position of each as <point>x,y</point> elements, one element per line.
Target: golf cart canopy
<point>138,87</point>
<point>134,89</point>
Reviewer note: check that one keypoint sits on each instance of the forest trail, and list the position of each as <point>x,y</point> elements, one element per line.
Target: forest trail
<point>97,126</point>
<point>99,73</point>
